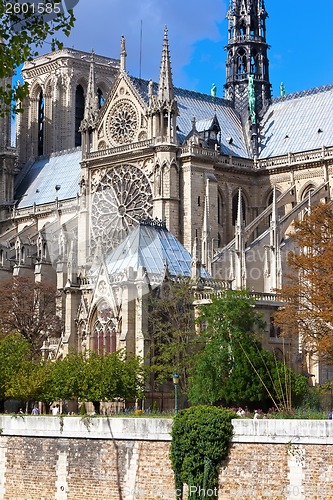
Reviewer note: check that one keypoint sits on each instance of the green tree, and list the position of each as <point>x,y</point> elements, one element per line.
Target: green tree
<point>64,378</point>
<point>27,383</point>
<point>14,351</point>
<point>24,28</point>
<point>173,337</point>
<point>95,378</point>
<point>111,376</point>
<point>232,367</point>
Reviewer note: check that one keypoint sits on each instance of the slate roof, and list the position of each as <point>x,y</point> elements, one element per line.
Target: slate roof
<point>152,247</point>
<point>204,107</point>
<point>202,125</point>
<point>293,123</point>
<point>48,178</point>
<point>298,122</point>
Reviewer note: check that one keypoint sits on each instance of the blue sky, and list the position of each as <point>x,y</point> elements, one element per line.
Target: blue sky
<point>298,31</point>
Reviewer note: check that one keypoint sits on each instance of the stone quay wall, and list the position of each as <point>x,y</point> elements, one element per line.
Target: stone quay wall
<point>102,458</point>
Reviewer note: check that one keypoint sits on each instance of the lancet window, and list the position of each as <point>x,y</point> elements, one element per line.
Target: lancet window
<point>79,113</point>
<point>100,97</point>
<point>104,332</point>
<point>41,106</point>
<point>241,62</point>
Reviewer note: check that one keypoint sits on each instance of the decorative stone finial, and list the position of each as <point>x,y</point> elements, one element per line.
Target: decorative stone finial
<point>123,54</point>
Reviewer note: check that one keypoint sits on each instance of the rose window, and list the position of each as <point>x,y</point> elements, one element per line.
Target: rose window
<point>122,122</point>
<point>122,198</point>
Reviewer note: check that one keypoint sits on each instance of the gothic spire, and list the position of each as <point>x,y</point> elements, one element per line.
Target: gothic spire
<point>247,55</point>
<point>91,103</point>
<point>165,86</point>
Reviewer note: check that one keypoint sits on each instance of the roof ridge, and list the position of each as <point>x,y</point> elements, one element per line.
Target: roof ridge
<point>63,152</point>
<point>302,93</point>
<point>185,92</point>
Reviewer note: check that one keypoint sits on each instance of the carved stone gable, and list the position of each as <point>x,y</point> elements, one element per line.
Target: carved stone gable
<point>123,121</point>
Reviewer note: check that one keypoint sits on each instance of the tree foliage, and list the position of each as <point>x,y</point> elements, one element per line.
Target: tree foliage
<point>95,378</point>
<point>24,28</point>
<point>14,351</point>
<point>172,329</point>
<point>28,382</point>
<point>64,378</point>
<point>308,290</point>
<point>112,376</point>
<point>233,368</point>
<point>201,437</point>
<point>29,308</point>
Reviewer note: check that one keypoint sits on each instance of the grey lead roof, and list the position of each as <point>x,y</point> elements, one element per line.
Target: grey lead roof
<point>48,178</point>
<point>203,107</point>
<point>293,123</point>
<point>151,247</point>
<point>298,122</point>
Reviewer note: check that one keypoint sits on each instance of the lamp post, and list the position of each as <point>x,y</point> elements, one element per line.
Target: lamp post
<point>175,380</point>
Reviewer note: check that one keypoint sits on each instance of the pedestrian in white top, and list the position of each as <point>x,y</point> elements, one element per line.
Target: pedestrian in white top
<point>55,410</point>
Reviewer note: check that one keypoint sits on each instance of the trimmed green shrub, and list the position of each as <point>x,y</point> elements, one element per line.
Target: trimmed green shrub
<point>200,442</point>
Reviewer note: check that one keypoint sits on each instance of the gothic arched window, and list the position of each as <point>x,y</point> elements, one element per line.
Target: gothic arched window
<point>241,62</point>
<point>252,32</point>
<point>79,113</point>
<point>281,210</point>
<point>308,190</point>
<point>254,61</point>
<point>100,97</point>
<point>305,196</point>
<point>242,29</point>
<point>230,63</point>
<point>219,208</point>
<point>40,140</point>
<point>104,332</point>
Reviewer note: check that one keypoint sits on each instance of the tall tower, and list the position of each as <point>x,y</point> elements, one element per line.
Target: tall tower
<point>163,110</point>
<point>247,57</point>
<point>7,159</point>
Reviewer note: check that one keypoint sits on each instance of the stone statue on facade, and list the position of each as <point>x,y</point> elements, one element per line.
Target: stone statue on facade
<point>252,99</point>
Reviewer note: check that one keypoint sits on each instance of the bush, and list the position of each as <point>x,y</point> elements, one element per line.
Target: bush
<point>200,441</point>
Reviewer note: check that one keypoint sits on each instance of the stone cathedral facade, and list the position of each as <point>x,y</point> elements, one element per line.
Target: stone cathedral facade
<point>116,182</point>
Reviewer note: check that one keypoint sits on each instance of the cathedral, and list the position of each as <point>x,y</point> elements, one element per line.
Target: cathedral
<point>116,183</point>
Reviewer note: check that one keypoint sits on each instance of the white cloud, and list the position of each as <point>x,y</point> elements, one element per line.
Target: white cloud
<point>101,23</point>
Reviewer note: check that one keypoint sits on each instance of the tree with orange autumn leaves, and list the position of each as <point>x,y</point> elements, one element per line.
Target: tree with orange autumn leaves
<point>308,289</point>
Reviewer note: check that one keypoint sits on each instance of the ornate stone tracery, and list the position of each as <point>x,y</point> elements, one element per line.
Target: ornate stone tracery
<point>122,122</point>
<point>121,199</point>
<point>104,331</point>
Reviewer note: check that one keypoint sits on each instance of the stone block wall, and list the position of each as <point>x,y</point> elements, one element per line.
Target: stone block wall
<point>128,459</point>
